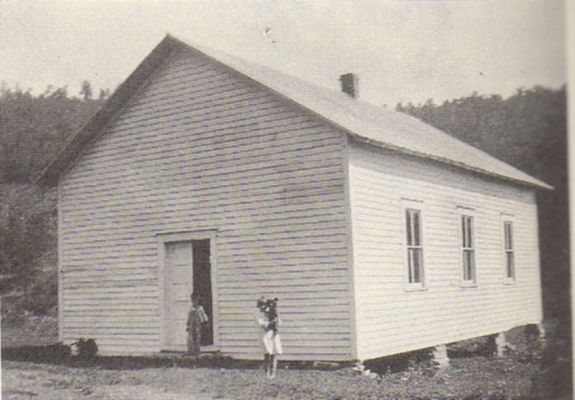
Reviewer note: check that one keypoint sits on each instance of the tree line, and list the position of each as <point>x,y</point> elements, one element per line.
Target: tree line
<point>34,127</point>
<point>32,130</point>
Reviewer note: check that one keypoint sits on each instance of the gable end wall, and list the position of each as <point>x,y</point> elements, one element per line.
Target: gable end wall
<point>201,148</point>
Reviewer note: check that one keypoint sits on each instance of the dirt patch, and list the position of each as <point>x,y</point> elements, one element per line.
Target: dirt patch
<point>39,372</point>
<point>469,378</point>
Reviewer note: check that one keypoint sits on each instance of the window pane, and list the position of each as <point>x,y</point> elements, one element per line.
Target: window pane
<point>508,236</point>
<point>465,266</point>
<point>410,265</point>
<point>471,265</point>
<point>468,265</point>
<point>511,244</point>
<point>463,231</point>
<point>510,265</point>
<point>416,228</point>
<point>469,231</point>
<point>417,265</point>
<point>408,226</point>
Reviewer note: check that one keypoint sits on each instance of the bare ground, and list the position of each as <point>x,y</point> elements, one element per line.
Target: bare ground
<point>469,378</point>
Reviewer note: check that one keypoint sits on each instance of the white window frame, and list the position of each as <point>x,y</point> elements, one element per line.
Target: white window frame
<point>414,205</point>
<point>508,220</point>
<point>465,213</point>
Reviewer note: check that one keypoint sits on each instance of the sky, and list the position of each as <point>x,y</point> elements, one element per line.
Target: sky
<point>402,50</point>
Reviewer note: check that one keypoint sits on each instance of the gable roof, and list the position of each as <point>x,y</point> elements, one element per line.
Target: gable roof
<point>362,121</point>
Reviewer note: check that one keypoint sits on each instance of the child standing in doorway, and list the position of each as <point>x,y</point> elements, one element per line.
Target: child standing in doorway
<point>269,322</point>
<point>196,318</point>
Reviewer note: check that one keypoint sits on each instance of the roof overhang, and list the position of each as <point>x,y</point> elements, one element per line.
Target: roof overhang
<point>75,145</point>
<point>479,171</point>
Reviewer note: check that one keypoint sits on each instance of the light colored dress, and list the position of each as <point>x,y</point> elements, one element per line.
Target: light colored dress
<point>202,314</point>
<point>271,340</point>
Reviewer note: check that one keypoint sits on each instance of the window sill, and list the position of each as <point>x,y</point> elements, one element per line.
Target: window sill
<point>414,288</point>
<point>509,282</point>
<point>465,285</point>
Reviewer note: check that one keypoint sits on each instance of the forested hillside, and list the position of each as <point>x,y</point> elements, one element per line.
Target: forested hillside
<point>32,129</point>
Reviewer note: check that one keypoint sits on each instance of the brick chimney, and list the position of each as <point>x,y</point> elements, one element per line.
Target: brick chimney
<point>349,84</point>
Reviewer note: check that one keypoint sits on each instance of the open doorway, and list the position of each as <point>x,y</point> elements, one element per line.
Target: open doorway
<point>202,285</point>
<point>186,269</point>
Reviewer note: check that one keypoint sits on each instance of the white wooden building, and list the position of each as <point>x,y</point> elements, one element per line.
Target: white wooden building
<point>378,233</point>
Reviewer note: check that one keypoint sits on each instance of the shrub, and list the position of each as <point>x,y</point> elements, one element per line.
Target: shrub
<point>41,295</point>
<point>87,348</point>
<point>47,354</point>
<point>553,380</point>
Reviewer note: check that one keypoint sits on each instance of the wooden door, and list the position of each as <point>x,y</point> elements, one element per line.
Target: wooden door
<point>178,286</point>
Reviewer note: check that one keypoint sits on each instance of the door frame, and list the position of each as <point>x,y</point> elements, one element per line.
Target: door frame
<point>169,237</point>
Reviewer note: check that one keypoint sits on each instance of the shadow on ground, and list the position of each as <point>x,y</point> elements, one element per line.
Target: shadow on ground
<point>59,354</point>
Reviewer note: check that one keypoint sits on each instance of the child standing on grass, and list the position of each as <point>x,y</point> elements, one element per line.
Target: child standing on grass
<point>196,318</point>
<point>269,322</point>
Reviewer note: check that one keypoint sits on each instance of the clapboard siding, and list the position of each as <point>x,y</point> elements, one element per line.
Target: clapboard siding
<point>391,319</point>
<point>202,148</point>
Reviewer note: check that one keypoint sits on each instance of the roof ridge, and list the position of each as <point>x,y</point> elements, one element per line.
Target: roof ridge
<point>377,125</point>
<point>359,108</point>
